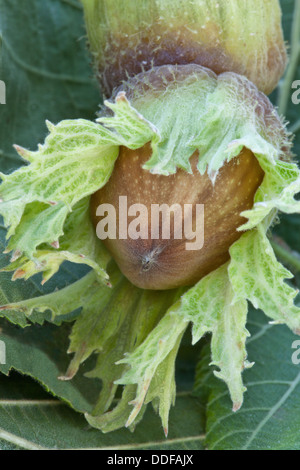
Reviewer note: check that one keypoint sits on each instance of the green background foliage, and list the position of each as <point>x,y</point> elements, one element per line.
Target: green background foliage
<point>46,68</point>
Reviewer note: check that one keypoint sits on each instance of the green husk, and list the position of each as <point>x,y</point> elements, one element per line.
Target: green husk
<point>245,37</point>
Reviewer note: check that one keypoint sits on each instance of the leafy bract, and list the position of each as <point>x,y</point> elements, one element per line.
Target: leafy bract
<point>78,244</point>
<point>211,307</point>
<point>148,360</point>
<point>72,164</point>
<point>256,275</point>
<point>277,192</point>
<point>113,321</point>
<point>198,111</point>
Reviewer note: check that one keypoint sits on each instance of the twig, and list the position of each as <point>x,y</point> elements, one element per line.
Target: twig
<point>288,256</point>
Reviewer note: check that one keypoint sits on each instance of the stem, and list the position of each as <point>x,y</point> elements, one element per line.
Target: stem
<point>285,86</point>
<point>288,256</point>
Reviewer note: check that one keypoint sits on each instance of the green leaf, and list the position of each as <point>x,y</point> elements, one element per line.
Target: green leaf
<point>33,420</point>
<point>269,419</point>
<point>46,70</point>
<point>40,353</point>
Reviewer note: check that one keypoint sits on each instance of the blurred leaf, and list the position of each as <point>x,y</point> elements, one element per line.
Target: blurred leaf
<point>30,419</point>
<point>46,69</point>
<point>40,352</point>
